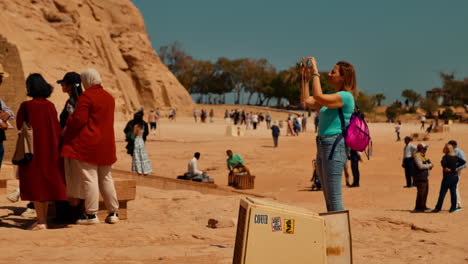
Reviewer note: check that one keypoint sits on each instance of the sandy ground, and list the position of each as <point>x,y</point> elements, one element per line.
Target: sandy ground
<point>170,226</point>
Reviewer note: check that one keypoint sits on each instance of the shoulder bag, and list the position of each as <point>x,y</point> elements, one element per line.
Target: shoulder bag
<point>24,145</point>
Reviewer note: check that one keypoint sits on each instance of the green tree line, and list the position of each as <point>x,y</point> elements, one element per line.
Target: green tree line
<point>452,93</point>
<point>245,76</point>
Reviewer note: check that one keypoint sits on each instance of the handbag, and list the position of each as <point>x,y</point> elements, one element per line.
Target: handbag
<point>24,145</point>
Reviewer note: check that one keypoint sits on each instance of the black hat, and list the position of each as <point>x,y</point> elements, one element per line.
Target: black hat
<point>453,143</point>
<point>70,78</point>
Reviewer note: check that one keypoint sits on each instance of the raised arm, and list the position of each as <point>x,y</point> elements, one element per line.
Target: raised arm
<point>328,100</point>
<point>307,100</point>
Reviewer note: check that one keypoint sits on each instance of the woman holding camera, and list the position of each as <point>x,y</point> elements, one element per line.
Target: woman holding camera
<point>331,150</point>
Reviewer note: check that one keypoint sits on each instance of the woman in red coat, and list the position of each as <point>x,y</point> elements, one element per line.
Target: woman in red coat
<point>89,144</point>
<point>41,180</point>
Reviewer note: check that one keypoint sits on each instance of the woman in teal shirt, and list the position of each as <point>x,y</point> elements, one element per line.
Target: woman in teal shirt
<point>330,163</point>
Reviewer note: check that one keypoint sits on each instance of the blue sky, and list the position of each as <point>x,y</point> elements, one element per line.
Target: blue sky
<point>394,45</point>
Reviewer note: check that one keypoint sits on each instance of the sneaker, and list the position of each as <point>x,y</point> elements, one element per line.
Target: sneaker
<point>14,196</point>
<point>29,213</point>
<point>112,218</point>
<point>435,210</point>
<point>88,219</point>
<point>455,210</point>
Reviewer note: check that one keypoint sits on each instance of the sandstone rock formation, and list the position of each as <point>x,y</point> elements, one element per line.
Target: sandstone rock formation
<point>56,36</point>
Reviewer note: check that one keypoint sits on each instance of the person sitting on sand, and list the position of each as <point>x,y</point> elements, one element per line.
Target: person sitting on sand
<point>422,165</point>
<point>235,164</point>
<point>193,166</point>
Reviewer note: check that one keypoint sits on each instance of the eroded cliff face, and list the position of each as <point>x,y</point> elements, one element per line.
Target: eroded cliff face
<point>57,36</point>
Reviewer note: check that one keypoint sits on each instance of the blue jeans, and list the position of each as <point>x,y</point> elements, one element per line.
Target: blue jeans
<point>2,153</point>
<point>330,171</point>
<point>448,183</point>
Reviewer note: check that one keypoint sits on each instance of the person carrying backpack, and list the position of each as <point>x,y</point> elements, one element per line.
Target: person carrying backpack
<point>331,148</point>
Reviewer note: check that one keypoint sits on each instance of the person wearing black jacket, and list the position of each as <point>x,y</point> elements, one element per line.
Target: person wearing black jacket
<point>129,136</point>
<point>71,85</point>
<point>71,210</point>
<point>450,162</point>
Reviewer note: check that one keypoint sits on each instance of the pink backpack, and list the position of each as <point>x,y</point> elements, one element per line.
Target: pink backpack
<point>356,134</point>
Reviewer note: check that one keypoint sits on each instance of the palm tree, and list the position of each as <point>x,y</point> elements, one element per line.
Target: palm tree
<point>379,98</point>
<point>412,96</point>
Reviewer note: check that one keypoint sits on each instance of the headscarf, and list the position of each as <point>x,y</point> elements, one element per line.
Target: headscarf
<point>90,77</point>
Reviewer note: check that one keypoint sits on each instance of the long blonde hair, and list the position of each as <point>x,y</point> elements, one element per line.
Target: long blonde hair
<point>448,149</point>
<point>349,76</point>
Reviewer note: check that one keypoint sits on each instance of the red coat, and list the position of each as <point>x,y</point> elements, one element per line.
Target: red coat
<point>89,133</point>
<point>42,179</point>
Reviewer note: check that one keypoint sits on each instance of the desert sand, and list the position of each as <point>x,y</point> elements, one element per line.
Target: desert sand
<point>171,226</point>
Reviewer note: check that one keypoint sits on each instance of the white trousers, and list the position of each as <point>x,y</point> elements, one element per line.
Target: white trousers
<point>95,179</point>
<point>459,201</point>
<point>73,179</point>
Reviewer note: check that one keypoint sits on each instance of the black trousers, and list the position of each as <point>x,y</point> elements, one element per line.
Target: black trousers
<point>448,183</point>
<point>355,170</point>
<point>275,141</point>
<point>409,167</point>
<point>421,197</point>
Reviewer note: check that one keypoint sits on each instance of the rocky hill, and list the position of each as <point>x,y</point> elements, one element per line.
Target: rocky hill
<point>57,36</point>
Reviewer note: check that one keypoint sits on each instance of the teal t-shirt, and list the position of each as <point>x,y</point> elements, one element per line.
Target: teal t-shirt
<point>232,160</point>
<point>329,120</point>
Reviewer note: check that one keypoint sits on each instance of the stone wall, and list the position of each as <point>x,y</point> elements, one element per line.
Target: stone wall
<point>13,90</point>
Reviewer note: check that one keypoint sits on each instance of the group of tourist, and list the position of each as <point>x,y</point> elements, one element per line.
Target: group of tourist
<point>72,157</point>
<point>417,170</point>
<point>249,119</point>
<point>203,115</point>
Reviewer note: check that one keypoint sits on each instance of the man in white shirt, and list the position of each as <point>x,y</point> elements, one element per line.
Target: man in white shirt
<point>193,166</point>
<point>408,164</point>
<point>462,156</point>
<point>254,121</point>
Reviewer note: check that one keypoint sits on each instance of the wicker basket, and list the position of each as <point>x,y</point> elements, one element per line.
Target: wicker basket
<point>244,181</point>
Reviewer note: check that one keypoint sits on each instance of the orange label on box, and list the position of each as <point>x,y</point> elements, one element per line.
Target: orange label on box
<point>289,226</point>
